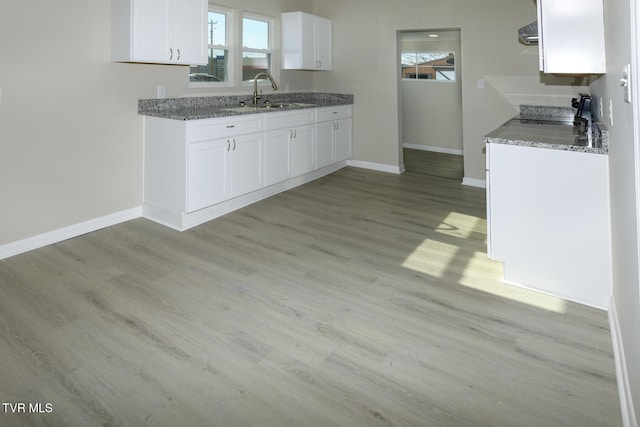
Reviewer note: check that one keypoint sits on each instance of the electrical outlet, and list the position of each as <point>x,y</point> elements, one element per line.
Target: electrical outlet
<point>161,92</point>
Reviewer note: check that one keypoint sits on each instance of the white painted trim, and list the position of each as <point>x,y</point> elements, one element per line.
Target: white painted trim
<point>473,182</point>
<point>55,236</point>
<point>434,149</point>
<point>622,376</point>
<point>553,294</point>
<point>635,103</point>
<point>380,167</point>
<point>183,221</point>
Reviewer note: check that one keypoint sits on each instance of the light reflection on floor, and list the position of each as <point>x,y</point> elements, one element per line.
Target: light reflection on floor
<point>437,258</point>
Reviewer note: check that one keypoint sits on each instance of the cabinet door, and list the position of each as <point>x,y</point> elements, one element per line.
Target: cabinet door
<point>307,41</point>
<point>151,30</point>
<point>207,174</point>
<point>325,151</point>
<point>246,170</point>
<point>277,161</point>
<point>324,43</point>
<point>343,138</point>
<point>571,36</point>
<point>190,32</point>
<point>302,150</point>
<point>550,218</point>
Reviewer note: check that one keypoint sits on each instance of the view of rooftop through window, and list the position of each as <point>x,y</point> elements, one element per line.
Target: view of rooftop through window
<point>428,65</point>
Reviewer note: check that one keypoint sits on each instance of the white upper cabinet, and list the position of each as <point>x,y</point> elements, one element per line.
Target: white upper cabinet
<point>306,42</point>
<point>159,31</point>
<point>571,36</point>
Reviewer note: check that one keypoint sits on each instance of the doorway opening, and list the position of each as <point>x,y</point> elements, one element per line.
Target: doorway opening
<point>431,102</point>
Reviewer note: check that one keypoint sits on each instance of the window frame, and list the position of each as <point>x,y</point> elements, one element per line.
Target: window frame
<point>273,69</point>
<point>229,47</point>
<point>417,79</point>
<point>235,48</point>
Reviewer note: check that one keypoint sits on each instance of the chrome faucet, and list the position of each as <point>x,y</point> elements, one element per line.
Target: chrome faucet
<point>257,96</point>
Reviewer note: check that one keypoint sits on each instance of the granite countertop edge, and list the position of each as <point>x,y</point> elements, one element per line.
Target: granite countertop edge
<point>554,115</point>
<point>207,107</point>
<point>537,144</point>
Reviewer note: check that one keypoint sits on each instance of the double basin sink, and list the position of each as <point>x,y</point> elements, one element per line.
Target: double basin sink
<point>267,106</point>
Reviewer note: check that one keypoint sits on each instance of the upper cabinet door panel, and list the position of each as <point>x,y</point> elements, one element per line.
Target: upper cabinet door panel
<point>306,42</point>
<point>190,31</point>
<point>151,20</point>
<point>571,36</point>
<point>159,31</point>
<point>324,43</point>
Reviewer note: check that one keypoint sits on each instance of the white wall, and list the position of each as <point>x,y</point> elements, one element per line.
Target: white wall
<point>71,139</point>
<point>366,55</point>
<point>70,135</point>
<point>432,110</point>
<point>622,156</point>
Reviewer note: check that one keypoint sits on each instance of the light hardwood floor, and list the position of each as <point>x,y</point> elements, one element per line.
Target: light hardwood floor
<point>433,163</point>
<point>359,299</point>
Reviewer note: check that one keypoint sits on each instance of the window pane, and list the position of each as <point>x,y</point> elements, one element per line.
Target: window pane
<point>217,29</point>
<point>428,66</point>
<point>255,34</point>
<point>254,63</point>
<point>214,71</point>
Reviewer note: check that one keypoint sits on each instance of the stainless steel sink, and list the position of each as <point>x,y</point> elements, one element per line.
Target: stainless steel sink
<point>269,106</point>
<point>300,105</point>
<point>242,109</point>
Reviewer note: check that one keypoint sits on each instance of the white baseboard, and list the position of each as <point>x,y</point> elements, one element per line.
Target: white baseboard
<point>55,236</point>
<point>622,376</point>
<point>380,167</point>
<point>183,221</point>
<point>435,149</point>
<point>472,182</point>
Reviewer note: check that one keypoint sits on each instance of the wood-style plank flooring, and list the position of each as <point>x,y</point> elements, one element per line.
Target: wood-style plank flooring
<point>360,299</point>
<point>433,163</point>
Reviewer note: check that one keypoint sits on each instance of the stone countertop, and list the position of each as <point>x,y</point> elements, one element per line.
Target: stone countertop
<point>207,107</point>
<point>549,127</point>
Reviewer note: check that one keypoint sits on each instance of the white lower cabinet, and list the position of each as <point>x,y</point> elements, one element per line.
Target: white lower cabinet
<point>277,156</point>
<point>197,170</point>
<point>224,168</point>
<point>548,220</point>
<point>289,142</point>
<point>207,182</point>
<point>245,166</point>
<point>303,156</point>
<point>325,146</point>
<point>334,134</point>
<point>342,138</point>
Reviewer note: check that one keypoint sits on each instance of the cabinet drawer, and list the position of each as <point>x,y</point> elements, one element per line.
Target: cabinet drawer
<point>326,114</point>
<point>201,130</point>
<point>289,119</point>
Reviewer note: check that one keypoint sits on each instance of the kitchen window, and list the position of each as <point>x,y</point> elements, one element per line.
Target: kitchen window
<point>240,46</point>
<point>438,66</point>
<point>217,69</point>
<point>256,47</point>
